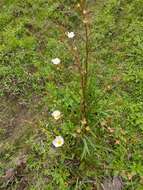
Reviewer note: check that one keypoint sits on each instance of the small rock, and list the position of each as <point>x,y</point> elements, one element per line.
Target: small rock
<point>113,184</point>
<point>9,174</point>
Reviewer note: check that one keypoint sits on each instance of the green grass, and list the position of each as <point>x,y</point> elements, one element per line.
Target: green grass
<point>31,88</point>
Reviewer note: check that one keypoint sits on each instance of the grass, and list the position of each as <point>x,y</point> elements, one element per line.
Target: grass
<point>31,88</point>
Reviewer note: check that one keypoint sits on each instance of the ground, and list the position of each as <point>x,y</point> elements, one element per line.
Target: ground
<point>110,153</point>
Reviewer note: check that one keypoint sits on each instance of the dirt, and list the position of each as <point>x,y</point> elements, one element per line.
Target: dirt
<point>13,118</point>
<point>17,120</point>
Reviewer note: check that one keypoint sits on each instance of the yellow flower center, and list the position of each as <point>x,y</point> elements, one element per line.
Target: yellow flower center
<point>59,142</point>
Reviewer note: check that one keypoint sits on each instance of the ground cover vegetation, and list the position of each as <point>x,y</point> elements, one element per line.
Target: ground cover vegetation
<point>71,88</point>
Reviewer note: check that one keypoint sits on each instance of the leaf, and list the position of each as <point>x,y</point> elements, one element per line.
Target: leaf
<point>85,149</point>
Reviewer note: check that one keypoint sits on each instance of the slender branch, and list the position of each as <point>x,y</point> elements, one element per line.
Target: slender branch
<point>87,53</point>
<point>76,54</point>
<point>82,66</point>
<point>86,63</point>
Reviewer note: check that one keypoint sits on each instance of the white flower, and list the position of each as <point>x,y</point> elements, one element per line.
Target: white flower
<point>56,61</point>
<point>56,114</point>
<point>71,34</point>
<point>58,141</point>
